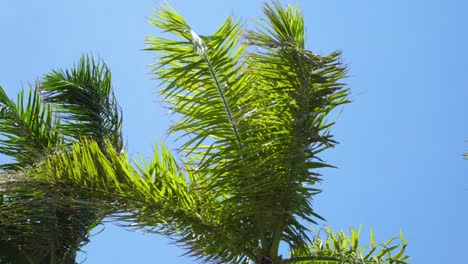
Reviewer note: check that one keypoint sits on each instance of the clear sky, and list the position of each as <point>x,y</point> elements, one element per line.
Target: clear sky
<point>400,160</point>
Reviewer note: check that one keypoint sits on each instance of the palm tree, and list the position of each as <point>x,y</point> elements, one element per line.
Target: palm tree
<point>253,110</point>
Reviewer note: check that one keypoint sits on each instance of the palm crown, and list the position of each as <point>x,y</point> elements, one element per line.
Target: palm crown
<point>254,109</point>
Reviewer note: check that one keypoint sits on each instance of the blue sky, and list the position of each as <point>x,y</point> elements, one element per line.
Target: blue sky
<point>400,160</point>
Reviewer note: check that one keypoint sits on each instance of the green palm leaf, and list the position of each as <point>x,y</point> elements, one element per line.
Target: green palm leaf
<point>157,196</point>
<point>251,123</point>
<point>305,88</point>
<point>83,99</point>
<point>27,129</point>
<point>50,222</point>
<point>339,247</point>
<point>204,85</point>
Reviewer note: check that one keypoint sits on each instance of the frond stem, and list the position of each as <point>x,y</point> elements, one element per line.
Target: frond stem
<point>264,242</point>
<point>226,106</point>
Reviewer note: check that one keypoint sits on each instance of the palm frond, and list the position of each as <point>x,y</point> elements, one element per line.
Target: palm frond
<point>205,84</point>
<point>42,222</point>
<point>339,247</point>
<point>157,196</point>
<point>305,88</point>
<point>252,123</point>
<point>197,78</point>
<point>27,129</point>
<point>83,99</point>
<point>50,223</point>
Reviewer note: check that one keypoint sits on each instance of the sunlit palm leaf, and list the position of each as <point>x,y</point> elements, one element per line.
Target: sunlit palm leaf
<point>205,85</point>
<point>191,89</point>
<point>339,247</point>
<point>251,123</point>
<point>158,197</point>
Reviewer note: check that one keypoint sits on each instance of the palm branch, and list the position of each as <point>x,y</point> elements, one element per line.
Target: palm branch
<point>340,247</point>
<point>253,119</point>
<point>83,100</point>
<point>42,221</point>
<point>157,197</point>
<point>27,129</point>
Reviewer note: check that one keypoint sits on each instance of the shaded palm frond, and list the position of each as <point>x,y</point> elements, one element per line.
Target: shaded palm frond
<point>339,247</point>
<point>83,99</point>
<point>27,129</point>
<point>52,221</point>
<point>43,223</point>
